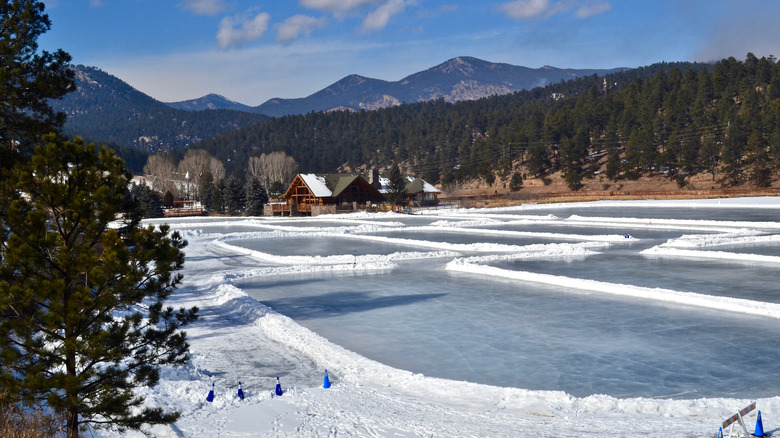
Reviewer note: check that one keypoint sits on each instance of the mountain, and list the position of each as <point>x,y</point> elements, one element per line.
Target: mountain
<point>462,78</point>
<point>466,78</point>
<point>105,109</point>
<point>209,102</point>
<point>351,93</point>
<point>571,126</point>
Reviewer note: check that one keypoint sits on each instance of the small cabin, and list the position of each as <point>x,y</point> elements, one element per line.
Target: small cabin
<point>418,191</point>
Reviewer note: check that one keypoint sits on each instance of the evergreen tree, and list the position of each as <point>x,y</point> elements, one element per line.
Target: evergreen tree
<point>516,182</point>
<point>82,322</point>
<point>396,184</point>
<point>709,155</point>
<point>256,198</point>
<point>573,153</point>
<point>758,162</point>
<point>168,199</point>
<point>276,189</point>
<point>614,166</point>
<point>30,78</point>
<point>235,196</point>
<point>538,160</point>
<point>149,202</point>
<point>217,197</point>
<point>731,153</point>
<point>205,187</point>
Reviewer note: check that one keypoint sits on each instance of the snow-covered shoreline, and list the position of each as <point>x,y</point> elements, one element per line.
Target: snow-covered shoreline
<point>239,338</point>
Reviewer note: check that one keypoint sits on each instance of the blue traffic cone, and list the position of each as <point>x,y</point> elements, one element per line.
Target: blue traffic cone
<point>720,432</point>
<point>210,397</point>
<point>759,426</point>
<point>326,382</point>
<point>278,387</point>
<point>240,391</point>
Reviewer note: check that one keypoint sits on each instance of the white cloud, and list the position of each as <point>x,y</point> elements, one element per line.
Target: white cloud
<point>591,9</point>
<point>235,31</point>
<point>203,7</point>
<point>523,10</point>
<point>289,30</point>
<point>336,6</point>
<point>378,19</point>
<point>95,3</point>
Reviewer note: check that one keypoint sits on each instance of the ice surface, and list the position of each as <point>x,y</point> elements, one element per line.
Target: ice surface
<point>474,326</point>
<point>596,302</point>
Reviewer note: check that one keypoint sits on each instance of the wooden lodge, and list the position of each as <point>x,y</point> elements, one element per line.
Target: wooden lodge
<point>311,194</point>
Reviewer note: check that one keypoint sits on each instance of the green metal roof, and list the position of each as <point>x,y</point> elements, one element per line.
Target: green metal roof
<point>338,182</point>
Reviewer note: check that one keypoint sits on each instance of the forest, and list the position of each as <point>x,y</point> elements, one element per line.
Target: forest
<point>674,119</point>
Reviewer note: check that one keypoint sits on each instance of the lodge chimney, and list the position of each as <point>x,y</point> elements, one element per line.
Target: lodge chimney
<point>373,178</point>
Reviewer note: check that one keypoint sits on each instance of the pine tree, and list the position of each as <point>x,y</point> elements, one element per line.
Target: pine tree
<point>205,183</point>
<point>256,198</point>
<point>30,78</point>
<point>217,197</point>
<point>516,182</point>
<point>149,202</point>
<point>82,322</point>
<point>235,196</point>
<point>396,184</point>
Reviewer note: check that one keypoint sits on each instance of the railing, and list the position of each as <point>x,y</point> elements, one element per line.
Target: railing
<point>451,206</point>
<point>286,208</point>
<point>183,211</point>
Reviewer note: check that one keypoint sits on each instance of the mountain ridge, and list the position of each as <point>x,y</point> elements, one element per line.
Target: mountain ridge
<point>105,108</point>
<point>209,101</point>
<point>459,78</point>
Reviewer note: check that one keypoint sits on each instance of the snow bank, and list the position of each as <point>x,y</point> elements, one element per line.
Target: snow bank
<point>719,255</point>
<point>728,304</point>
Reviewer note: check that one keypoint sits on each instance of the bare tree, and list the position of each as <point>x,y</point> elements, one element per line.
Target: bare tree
<point>195,163</point>
<point>217,169</point>
<point>159,168</point>
<point>254,169</point>
<point>273,167</point>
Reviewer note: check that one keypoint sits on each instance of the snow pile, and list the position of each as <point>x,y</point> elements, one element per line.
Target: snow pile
<point>728,304</point>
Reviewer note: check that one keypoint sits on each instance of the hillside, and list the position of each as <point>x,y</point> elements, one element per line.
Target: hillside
<point>680,122</point>
<point>437,140</point>
<point>477,193</point>
<point>106,109</point>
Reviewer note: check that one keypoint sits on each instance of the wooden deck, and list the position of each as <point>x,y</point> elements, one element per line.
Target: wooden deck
<point>183,209</point>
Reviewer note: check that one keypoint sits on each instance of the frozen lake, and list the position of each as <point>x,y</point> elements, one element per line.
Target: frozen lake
<point>582,299</point>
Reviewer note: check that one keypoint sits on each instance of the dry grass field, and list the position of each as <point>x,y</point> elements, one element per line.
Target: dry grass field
<point>479,194</point>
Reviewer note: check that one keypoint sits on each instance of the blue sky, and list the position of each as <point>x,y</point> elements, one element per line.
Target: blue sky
<point>254,50</point>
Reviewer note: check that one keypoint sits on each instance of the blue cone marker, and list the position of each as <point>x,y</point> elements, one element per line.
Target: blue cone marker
<point>326,382</point>
<point>210,397</point>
